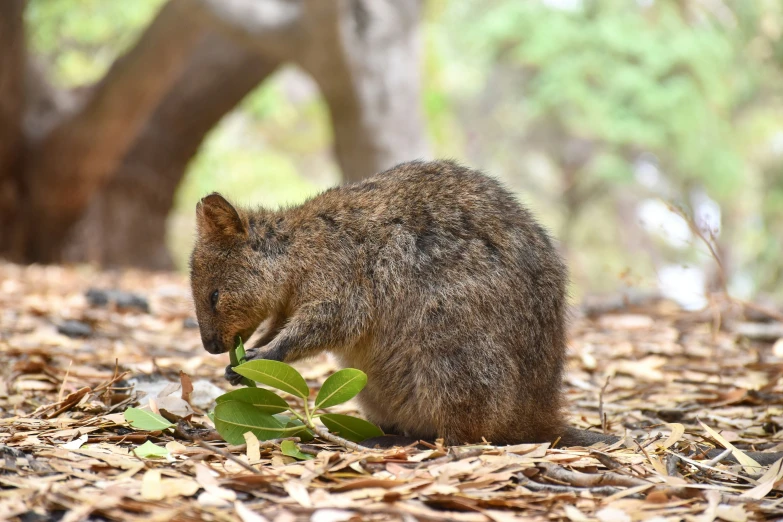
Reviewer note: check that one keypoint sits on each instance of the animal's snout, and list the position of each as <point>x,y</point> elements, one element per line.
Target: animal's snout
<point>213,345</point>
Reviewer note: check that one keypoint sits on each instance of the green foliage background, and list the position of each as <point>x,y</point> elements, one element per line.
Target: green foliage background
<point>560,99</point>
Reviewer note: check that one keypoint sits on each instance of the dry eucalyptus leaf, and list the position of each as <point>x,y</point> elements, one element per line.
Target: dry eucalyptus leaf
<point>669,368</point>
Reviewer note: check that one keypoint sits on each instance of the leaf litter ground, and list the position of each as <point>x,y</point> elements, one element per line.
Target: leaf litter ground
<point>664,378</point>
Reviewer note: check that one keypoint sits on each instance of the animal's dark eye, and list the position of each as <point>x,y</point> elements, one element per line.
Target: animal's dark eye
<point>214,298</point>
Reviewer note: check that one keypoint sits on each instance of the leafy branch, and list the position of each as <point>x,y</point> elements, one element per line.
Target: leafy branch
<point>710,242</point>
<point>269,416</point>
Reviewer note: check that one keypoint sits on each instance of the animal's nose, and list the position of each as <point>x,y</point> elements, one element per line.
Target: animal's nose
<point>213,346</point>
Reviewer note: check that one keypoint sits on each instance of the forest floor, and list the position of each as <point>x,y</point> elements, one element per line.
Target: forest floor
<point>665,378</point>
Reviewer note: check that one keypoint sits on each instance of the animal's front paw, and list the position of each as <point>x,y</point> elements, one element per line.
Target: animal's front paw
<point>252,354</point>
<point>233,377</point>
<point>267,352</point>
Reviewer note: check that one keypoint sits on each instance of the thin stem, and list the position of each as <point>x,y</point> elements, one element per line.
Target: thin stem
<point>229,456</point>
<point>774,314</point>
<point>307,414</point>
<point>300,417</point>
<point>307,420</point>
<point>345,443</point>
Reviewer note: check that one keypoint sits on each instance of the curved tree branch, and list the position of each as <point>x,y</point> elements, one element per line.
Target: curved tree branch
<point>80,154</point>
<point>364,55</point>
<point>128,138</point>
<point>272,25</point>
<point>126,223</point>
<point>367,65</point>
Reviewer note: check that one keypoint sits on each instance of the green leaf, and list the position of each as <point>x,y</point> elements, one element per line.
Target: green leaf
<point>283,418</point>
<point>266,401</point>
<point>275,374</point>
<point>340,387</point>
<point>291,422</point>
<point>350,428</point>
<point>148,449</point>
<point>236,357</point>
<point>234,418</point>
<point>146,420</point>
<point>240,351</point>
<point>289,448</point>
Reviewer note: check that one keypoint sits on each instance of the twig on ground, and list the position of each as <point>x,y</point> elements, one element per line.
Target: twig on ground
<point>644,451</point>
<point>262,444</point>
<point>606,459</point>
<point>183,430</point>
<point>601,414</point>
<point>704,466</point>
<point>229,456</point>
<point>773,314</point>
<point>612,481</point>
<point>309,449</point>
<point>335,439</point>
<point>108,384</point>
<point>65,379</point>
<point>453,455</point>
<point>554,488</point>
<point>69,402</point>
<point>428,444</point>
<point>718,459</point>
<point>588,480</point>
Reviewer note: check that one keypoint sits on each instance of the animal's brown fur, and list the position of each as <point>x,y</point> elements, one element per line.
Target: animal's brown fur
<point>429,277</point>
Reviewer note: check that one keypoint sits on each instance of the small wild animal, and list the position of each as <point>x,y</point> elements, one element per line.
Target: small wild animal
<point>429,277</point>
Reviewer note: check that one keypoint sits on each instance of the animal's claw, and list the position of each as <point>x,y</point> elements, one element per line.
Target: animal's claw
<point>231,376</point>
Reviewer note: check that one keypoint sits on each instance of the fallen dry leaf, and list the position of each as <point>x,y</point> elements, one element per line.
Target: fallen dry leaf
<point>66,450</point>
<point>151,488</point>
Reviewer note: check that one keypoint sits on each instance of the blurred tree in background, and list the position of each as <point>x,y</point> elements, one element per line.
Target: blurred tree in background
<point>602,114</point>
<point>92,171</point>
<point>604,110</point>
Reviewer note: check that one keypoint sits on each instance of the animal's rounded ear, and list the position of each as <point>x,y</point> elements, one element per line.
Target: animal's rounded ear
<point>216,218</point>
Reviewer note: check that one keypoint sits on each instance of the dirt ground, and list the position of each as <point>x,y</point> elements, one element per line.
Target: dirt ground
<point>665,379</point>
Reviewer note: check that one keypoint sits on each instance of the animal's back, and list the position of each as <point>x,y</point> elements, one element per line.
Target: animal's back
<point>465,336</point>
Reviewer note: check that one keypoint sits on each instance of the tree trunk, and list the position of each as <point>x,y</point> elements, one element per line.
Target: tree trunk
<point>78,157</point>
<point>126,223</point>
<point>367,65</point>
<point>12,101</point>
<point>91,175</point>
<point>364,56</point>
